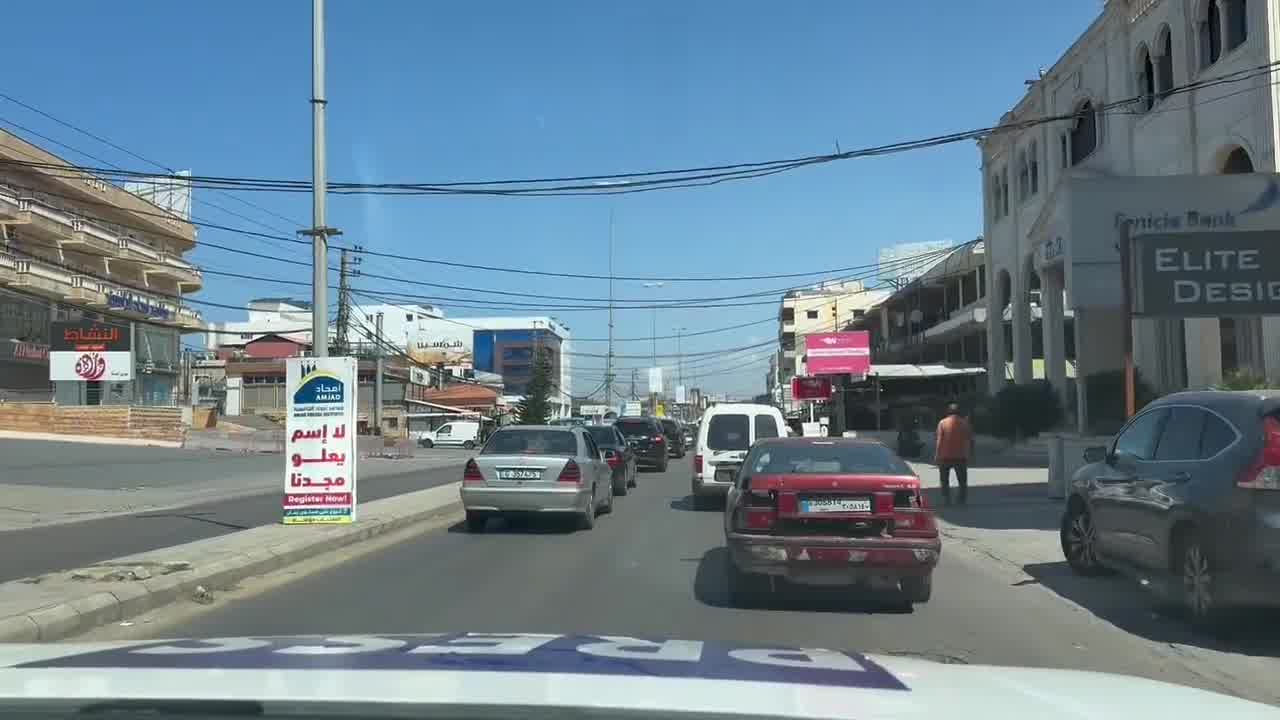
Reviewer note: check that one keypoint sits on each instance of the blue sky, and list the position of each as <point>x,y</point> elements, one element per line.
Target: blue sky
<point>434,91</point>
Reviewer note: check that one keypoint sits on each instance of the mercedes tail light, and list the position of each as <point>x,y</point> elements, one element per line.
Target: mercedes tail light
<point>471,474</point>
<point>571,474</point>
<point>1264,472</point>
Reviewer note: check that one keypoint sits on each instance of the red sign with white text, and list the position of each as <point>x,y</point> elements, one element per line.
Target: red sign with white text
<point>810,388</point>
<point>846,353</point>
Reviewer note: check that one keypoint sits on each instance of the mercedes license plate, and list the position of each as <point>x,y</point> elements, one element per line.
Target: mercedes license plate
<point>519,474</point>
<point>835,504</point>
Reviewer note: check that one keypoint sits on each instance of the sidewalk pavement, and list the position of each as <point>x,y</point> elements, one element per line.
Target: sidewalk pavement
<point>66,488</point>
<point>60,605</point>
<point>1010,520</point>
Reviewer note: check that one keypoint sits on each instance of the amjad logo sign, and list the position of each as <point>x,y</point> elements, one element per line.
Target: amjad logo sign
<point>318,387</point>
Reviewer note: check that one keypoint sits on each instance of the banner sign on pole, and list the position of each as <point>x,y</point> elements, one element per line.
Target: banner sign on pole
<point>87,351</point>
<point>845,353</point>
<point>810,388</point>
<point>320,441</point>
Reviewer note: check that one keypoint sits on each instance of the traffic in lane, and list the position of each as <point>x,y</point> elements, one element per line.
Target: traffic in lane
<point>657,567</point>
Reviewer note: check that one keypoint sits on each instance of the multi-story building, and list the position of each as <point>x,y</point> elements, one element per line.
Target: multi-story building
<point>73,246</point>
<point>506,346</point>
<point>820,309</point>
<point>1159,121</point>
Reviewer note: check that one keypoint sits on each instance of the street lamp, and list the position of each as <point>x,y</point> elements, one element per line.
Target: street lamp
<point>654,324</point>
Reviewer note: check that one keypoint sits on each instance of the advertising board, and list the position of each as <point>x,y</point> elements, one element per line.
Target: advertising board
<point>845,353</point>
<point>86,350</point>
<point>320,441</point>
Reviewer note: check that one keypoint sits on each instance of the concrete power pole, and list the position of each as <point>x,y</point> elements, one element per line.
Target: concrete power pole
<point>340,345</point>
<point>608,362</point>
<point>377,377</point>
<point>319,232</point>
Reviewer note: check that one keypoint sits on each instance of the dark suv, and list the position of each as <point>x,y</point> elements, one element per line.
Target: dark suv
<point>647,438</point>
<point>675,437</point>
<point>1185,498</point>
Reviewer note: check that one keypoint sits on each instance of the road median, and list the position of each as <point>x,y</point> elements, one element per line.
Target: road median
<point>63,604</point>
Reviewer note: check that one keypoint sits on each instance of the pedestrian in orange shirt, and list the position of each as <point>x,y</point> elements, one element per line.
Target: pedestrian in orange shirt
<point>953,450</point>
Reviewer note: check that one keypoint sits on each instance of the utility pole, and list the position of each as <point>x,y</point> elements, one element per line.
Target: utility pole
<point>344,305</point>
<point>608,362</point>
<point>377,377</point>
<point>319,232</point>
<point>633,384</point>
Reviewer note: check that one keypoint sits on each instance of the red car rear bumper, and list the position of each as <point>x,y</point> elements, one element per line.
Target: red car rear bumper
<point>828,560</point>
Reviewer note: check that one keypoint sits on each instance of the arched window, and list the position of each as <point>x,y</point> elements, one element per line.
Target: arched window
<point>1237,23</point>
<point>1084,133</point>
<point>1004,190</point>
<point>1238,162</point>
<point>1146,80</point>
<point>1033,165</point>
<point>1164,61</point>
<point>995,196</point>
<point>1210,34</point>
<point>1024,176</point>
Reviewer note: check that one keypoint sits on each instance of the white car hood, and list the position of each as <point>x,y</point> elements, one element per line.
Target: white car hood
<point>487,675</point>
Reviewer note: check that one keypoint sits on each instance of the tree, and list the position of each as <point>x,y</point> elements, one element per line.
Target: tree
<point>535,407</point>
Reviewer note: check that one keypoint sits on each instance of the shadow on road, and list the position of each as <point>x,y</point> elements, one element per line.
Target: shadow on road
<point>522,525</point>
<point>1022,506</point>
<point>687,503</point>
<point>1123,603</point>
<point>710,588</point>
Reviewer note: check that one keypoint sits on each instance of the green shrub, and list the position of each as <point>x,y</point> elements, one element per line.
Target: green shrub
<point>1022,411</point>
<point>1245,380</point>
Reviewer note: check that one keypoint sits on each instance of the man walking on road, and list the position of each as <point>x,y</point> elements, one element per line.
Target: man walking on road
<point>953,450</point>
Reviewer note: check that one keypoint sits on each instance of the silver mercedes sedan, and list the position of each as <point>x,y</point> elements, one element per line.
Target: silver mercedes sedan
<point>537,469</point>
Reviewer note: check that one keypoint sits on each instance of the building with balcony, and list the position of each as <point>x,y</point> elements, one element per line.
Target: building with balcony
<point>507,345</point>
<point>821,309</point>
<point>1156,124</point>
<point>74,246</point>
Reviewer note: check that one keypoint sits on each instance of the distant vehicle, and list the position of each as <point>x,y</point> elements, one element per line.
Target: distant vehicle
<point>459,433</point>
<point>619,455</point>
<point>725,434</point>
<point>539,469</point>
<point>690,433</point>
<point>675,437</point>
<point>646,437</point>
<point>827,510</point>
<point>1185,498</point>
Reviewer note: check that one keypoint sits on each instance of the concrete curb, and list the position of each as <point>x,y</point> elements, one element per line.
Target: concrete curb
<point>219,563</point>
<point>88,439</point>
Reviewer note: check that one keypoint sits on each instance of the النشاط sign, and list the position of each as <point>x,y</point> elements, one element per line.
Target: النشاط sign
<point>1208,275</point>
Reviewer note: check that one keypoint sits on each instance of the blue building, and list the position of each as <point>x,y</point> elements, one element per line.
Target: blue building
<point>506,346</point>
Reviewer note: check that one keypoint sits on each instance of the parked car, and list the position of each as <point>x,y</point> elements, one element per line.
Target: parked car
<point>539,469</point>
<point>827,510</point>
<point>725,434</point>
<point>459,433</point>
<point>1185,498</point>
<point>675,437</point>
<point>646,437</point>
<point>619,455</point>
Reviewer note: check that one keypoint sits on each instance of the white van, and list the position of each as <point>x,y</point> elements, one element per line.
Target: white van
<point>464,433</point>
<point>725,434</point>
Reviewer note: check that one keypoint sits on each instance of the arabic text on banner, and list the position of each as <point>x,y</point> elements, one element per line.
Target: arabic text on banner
<point>320,441</point>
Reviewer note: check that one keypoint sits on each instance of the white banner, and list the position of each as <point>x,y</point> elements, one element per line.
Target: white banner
<point>320,441</point>
<point>680,399</point>
<point>593,410</point>
<point>86,365</point>
<point>655,380</point>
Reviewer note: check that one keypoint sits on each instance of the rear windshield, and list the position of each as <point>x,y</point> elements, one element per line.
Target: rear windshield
<point>814,459</point>
<point>670,427</point>
<point>728,432</point>
<point>531,442</point>
<point>604,436</point>
<point>634,427</point>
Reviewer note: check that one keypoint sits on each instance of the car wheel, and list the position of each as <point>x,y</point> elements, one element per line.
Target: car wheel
<point>1079,540</point>
<point>1199,589</point>
<point>426,444</point>
<point>745,590</point>
<point>917,589</point>
<point>635,473</point>
<point>620,484</point>
<point>469,445</point>
<point>662,466</point>
<point>587,520</point>
<point>608,503</point>
<point>476,521</point>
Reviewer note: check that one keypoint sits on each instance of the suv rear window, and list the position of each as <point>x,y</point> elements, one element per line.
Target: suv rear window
<point>670,427</point>
<point>531,442</point>
<point>729,432</point>
<point>825,459</point>
<point>635,427</point>
<point>604,435</point>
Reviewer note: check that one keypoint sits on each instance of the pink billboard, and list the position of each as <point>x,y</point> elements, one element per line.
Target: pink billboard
<point>846,353</point>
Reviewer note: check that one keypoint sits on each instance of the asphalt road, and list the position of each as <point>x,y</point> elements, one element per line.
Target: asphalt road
<point>85,466</point>
<point>59,547</point>
<point>655,567</point>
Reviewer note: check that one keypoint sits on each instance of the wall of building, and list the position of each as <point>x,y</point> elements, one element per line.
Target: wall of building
<point>135,423</point>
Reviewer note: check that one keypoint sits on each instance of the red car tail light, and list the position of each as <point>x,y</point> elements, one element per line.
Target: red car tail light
<point>914,523</point>
<point>757,511</point>
<point>570,474</point>
<point>659,439</point>
<point>613,458</point>
<point>697,464</point>
<point>471,474</point>
<point>1264,472</point>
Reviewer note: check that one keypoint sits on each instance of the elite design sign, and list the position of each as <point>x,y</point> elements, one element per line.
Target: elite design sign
<point>1208,275</point>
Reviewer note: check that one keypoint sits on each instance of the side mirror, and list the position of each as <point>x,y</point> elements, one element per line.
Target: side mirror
<point>1095,454</point>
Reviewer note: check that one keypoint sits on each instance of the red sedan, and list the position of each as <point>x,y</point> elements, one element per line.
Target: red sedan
<point>827,511</point>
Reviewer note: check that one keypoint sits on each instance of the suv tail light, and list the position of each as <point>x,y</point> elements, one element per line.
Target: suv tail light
<point>659,439</point>
<point>613,458</point>
<point>1264,472</point>
<point>571,473</point>
<point>697,465</point>
<point>758,511</point>
<point>471,474</point>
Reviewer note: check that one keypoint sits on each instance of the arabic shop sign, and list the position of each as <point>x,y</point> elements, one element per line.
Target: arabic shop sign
<point>24,352</point>
<point>133,304</point>
<point>1208,275</point>
<point>320,445</point>
<point>88,351</point>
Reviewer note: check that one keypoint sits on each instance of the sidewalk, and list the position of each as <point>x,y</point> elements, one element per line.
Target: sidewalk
<point>1011,521</point>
